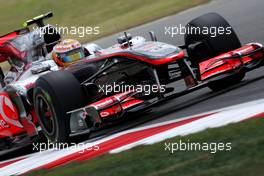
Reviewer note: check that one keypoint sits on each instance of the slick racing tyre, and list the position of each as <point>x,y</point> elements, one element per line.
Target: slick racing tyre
<point>205,46</point>
<point>56,94</point>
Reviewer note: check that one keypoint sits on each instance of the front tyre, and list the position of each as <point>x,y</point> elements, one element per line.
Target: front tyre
<point>211,46</point>
<point>57,93</point>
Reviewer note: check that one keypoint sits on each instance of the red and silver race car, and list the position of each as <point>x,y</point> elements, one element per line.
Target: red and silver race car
<point>26,53</point>
<point>29,55</point>
<point>135,74</point>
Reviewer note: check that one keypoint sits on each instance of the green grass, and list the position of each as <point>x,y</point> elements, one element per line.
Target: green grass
<point>245,157</point>
<point>110,15</point>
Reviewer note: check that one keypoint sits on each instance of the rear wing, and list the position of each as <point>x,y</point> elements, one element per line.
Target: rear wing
<point>38,20</point>
<point>5,50</point>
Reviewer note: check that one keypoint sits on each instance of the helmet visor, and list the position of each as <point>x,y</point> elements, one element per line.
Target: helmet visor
<point>71,56</point>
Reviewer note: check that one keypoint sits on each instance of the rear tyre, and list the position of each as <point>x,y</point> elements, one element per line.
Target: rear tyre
<point>56,94</point>
<point>209,46</point>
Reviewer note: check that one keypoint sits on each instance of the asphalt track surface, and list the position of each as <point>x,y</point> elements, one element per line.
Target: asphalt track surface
<point>247,18</point>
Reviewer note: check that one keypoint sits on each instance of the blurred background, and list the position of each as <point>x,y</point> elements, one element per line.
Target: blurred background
<point>110,16</point>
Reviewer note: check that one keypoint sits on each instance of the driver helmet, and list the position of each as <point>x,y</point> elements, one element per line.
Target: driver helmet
<point>67,52</point>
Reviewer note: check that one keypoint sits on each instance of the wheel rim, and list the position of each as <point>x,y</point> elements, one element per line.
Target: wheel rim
<point>46,115</point>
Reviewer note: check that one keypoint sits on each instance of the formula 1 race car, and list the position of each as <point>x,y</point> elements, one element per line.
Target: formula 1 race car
<point>26,52</point>
<point>135,74</point>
